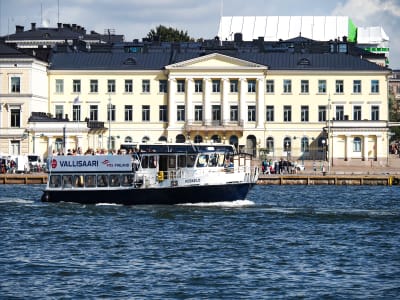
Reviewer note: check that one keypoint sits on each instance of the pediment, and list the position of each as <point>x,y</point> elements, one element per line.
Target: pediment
<point>214,61</point>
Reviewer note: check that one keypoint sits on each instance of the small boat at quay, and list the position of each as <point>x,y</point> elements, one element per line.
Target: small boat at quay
<point>160,173</point>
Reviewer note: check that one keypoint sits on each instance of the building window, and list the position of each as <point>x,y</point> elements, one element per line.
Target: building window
<point>339,87</point>
<point>322,86</point>
<point>59,86</point>
<point>251,86</point>
<point>321,113</point>
<point>216,113</point>
<point>76,86</point>
<point>180,86</point>
<point>287,113</point>
<point>270,144</point>
<point>128,113</point>
<point>198,86</point>
<point>111,86</point>
<point>374,86</point>
<point>216,85</point>
<point>270,87</point>
<point>287,86</point>
<point>146,113</point>
<point>180,113</point>
<point>304,113</point>
<point>304,86</point>
<point>251,113</point>
<point>15,85</point>
<point>128,86</point>
<point>76,112</point>
<point>339,113</point>
<point>234,113</point>
<point>15,117</point>
<point>357,112</point>
<point>270,113</point>
<point>94,86</point>
<point>375,113</point>
<point>357,144</point>
<point>162,87</point>
<point>110,112</point>
<point>145,86</point>
<point>357,86</point>
<point>94,113</point>
<point>163,113</point>
<point>233,84</point>
<point>59,111</point>
<point>305,145</point>
<point>198,113</point>
<point>15,148</point>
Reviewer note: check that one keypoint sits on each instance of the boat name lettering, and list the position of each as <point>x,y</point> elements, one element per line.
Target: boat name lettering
<point>194,180</point>
<point>79,163</point>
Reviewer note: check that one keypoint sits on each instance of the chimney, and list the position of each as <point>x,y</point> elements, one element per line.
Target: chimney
<point>33,26</point>
<point>59,25</point>
<point>19,28</point>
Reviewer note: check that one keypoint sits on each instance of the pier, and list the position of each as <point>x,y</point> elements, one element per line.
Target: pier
<point>307,179</point>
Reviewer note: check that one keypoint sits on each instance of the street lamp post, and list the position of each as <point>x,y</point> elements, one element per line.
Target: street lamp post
<point>324,150</point>
<point>109,123</point>
<point>329,142</point>
<point>287,151</point>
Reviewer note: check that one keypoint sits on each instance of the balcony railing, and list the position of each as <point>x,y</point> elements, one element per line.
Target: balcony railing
<point>214,125</point>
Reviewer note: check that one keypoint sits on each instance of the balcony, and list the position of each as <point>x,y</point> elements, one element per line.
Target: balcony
<point>212,126</point>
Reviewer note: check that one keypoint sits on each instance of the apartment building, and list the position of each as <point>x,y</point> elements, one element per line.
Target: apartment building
<point>23,90</point>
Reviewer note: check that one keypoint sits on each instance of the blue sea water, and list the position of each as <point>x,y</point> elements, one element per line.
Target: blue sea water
<point>282,242</point>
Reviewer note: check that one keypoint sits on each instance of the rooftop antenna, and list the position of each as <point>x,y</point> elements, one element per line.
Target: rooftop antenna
<point>58,11</point>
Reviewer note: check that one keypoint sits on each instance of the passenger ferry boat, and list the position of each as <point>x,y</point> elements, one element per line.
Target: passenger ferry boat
<point>155,174</point>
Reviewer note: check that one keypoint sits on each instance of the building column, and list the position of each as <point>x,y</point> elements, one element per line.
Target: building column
<point>242,100</point>
<point>365,148</point>
<point>224,101</point>
<point>206,101</point>
<point>171,103</point>
<point>189,100</point>
<point>260,103</point>
<point>348,148</point>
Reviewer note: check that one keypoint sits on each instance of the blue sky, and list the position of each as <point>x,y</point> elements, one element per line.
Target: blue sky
<point>135,18</point>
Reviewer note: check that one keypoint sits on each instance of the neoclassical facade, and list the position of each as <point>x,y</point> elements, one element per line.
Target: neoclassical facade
<point>272,104</point>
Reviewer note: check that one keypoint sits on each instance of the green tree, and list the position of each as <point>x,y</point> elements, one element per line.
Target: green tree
<point>169,34</point>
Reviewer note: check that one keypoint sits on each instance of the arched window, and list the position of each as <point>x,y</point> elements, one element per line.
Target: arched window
<point>162,138</point>
<point>305,146</point>
<point>287,144</point>
<point>357,144</point>
<point>251,144</point>
<point>216,138</point>
<point>270,144</point>
<point>198,139</point>
<point>145,139</point>
<point>233,140</point>
<point>180,138</point>
<point>128,139</point>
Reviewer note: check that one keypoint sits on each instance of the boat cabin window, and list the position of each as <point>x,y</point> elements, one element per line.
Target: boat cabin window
<point>55,181</point>
<point>78,181</point>
<point>149,161</point>
<point>202,161</point>
<point>102,180</point>
<point>127,180</point>
<point>114,180</point>
<point>171,162</point>
<point>191,158</point>
<point>213,160</point>
<point>90,180</point>
<point>67,181</point>
<point>181,161</point>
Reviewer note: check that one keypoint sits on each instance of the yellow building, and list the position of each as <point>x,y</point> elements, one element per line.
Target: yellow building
<point>274,104</point>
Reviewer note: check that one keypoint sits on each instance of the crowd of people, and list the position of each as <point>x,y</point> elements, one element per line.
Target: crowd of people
<point>269,166</point>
